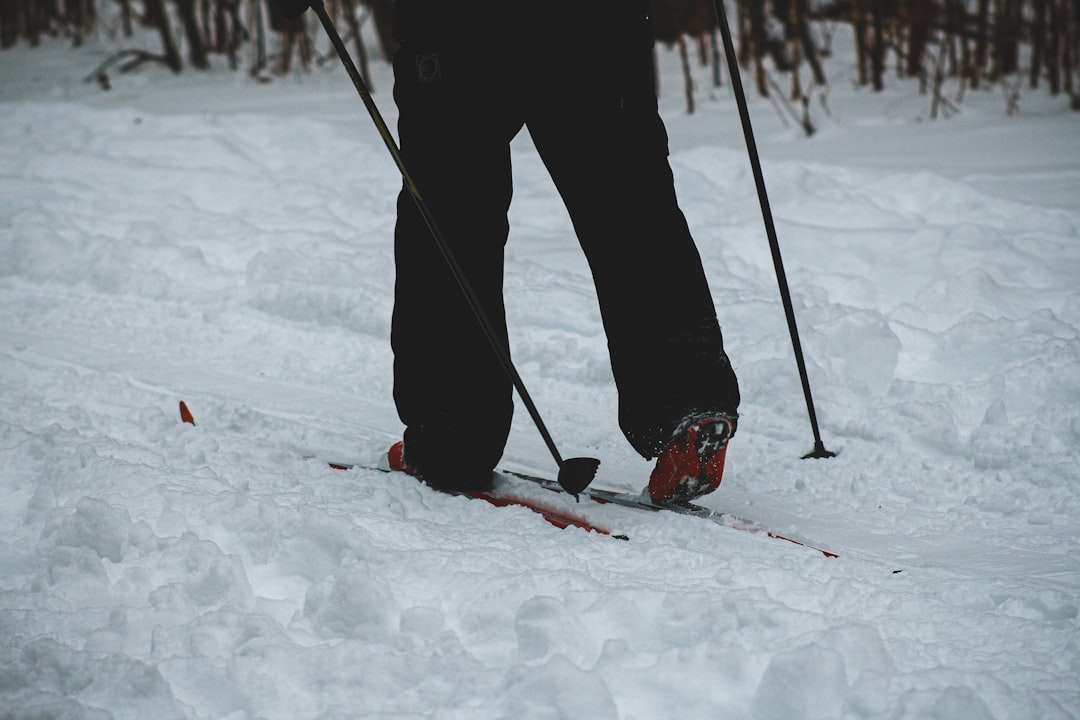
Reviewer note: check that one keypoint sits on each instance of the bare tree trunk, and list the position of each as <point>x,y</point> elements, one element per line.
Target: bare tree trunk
<point>862,55</point>
<point>240,33</point>
<point>205,29</point>
<point>745,43</point>
<point>982,39</point>
<point>956,17</point>
<point>918,35</point>
<point>796,54</point>
<point>714,46</point>
<point>1053,50</point>
<point>877,57</point>
<point>688,82</point>
<point>1038,42</point>
<point>89,16</point>
<point>158,16</point>
<point>222,32</point>
<point>259,24</point>
<point>1006,45</point>
<point>33,20</point>
<point>954,58</point>
<point>196,43</point>
<point>80,18</point>
<point>125,18</point>
<point>939,80</point>
<point>1069,29</point>
<point>809,49</point>
<point>349,9</point>
<point>755,11</point>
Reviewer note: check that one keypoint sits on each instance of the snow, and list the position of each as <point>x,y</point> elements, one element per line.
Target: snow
<point>212,239</point>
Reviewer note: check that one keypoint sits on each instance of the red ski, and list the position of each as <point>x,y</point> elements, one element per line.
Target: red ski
<point>545,497</point>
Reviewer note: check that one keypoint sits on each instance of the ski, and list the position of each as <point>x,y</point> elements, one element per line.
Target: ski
<point>507,492</point>
<point>644,502</point>
<point>504,494</point>
<point>548,499</point>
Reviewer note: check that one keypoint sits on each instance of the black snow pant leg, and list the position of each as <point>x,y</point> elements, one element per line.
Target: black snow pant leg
<point>451,392</point>
<point>606,148</point>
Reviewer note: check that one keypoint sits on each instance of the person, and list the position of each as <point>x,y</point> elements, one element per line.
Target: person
<point>579,76</point>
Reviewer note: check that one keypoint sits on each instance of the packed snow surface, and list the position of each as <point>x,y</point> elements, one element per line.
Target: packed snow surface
<point>208,238</point>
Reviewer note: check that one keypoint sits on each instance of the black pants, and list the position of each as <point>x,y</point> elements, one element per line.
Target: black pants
<point>595,124</point>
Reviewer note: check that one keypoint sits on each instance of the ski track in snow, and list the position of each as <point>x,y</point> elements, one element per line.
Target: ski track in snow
<point>228,244</point>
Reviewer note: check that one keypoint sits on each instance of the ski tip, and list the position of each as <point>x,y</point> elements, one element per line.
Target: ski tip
<point>185,414</point>
<point>575,474</point>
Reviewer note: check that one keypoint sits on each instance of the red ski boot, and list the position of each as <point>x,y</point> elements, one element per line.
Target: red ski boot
<point>692,464</point>
<point>395,457</point>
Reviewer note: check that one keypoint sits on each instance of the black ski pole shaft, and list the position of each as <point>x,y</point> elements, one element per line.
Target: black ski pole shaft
<point>819,450</point>
<point>575,474</point>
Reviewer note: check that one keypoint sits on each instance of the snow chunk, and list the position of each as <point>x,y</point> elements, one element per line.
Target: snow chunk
<point>352,603</point>
<point>864,351</point>
<point>803,684</point>
<point>202,574</point>
<point>545,626</point>
<point>95,525</point>
<point>556,690</point>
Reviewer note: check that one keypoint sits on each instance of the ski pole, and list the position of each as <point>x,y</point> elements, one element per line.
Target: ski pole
<point>575,474</point>
<point>819,450</point>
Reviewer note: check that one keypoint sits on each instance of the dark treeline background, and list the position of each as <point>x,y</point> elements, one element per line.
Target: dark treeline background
<point>976,43</point>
